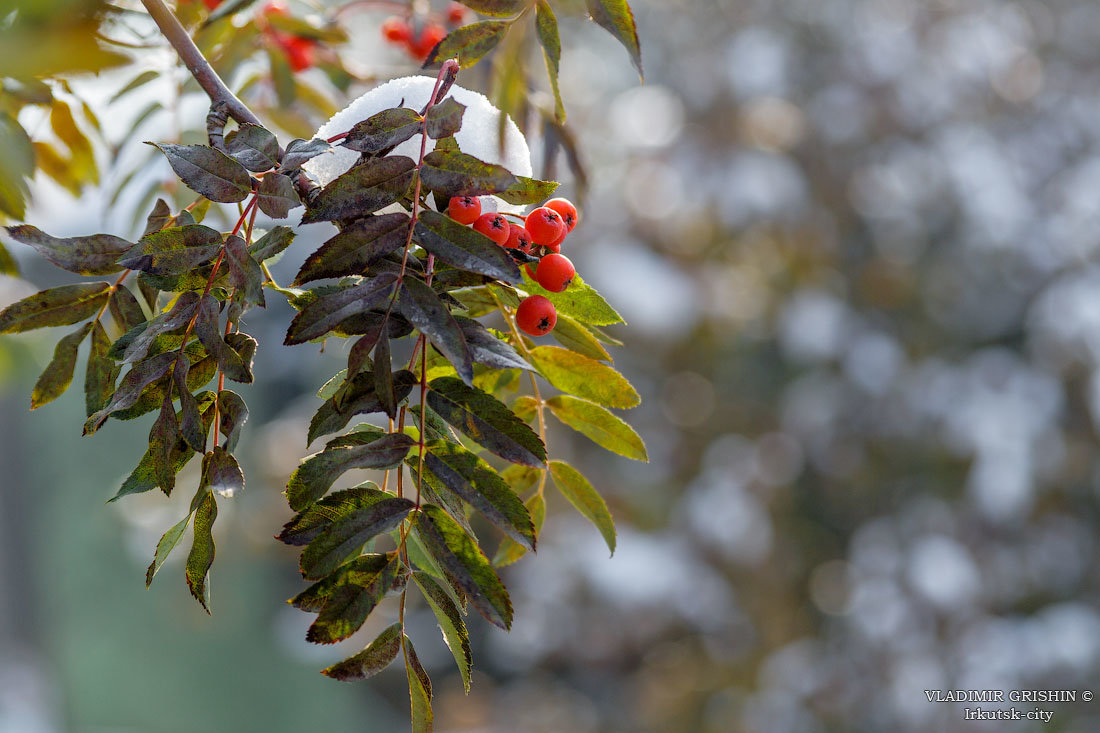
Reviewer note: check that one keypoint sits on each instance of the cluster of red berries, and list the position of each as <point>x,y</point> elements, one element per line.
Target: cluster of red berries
<point>541,235</point>
<point>300,51</point>
<point>400,32</point>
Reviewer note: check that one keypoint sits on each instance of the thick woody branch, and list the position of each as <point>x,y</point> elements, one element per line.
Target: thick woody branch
<point>197,64</point>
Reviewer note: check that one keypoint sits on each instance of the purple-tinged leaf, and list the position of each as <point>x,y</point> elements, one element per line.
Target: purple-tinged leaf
<point>201,556</point>
<point>328,311</point>
<point>378,655</point>
<point>366,188</point>
<point>430,315</point>
<point>300,151</point>
<point>130,388</point>
<point>617,18</point>
<point>486,421</point>
<point>345,537</point>
<point>96,254</point>
<point>383,131</point>
<point>208,172</point>
<point>356,247</point>
<point>444,119</point>
<point>469,43</point>
<point>254,147</point>
<point>174,251</point>
<point>318,472</point>
<point>244,272</point>
<point>357,588</point>
<point>464,248</point>
<point>276,196</point>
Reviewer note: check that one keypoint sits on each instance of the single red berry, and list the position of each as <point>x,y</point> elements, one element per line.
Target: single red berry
<point>567,210</point>
<point>430,36</point>
<point>544,225</point>
<point>211,4</point>
<point>396,30</point>
<point>536,315</point>
<point>493,226</point>
<point>464,209</point>
<point>518,238</point>
<point>299,52</point>
<point>555,272</point>
<point>555,246</point>
<point>456,13</point>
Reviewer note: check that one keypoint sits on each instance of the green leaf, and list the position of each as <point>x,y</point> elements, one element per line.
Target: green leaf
<point>276,196</point>
<point>476,483</point>
<point>271,244</point>
<point>469,43</point>
<point>487,349</point>
<point>101,372</point>
<point>546,25</point>
<point>140,376</point>
<point>358,397</point>
<point>316,473</point>
<point>444,119</point>
<point>579,300</point>
<point>486,421</point>
<point>136,343</point>
<point>377,656</point>
<point>174,251</point>
<point>574,336</point>
<point>510,551</point>
<point>458,174</point>
<point>60,306</point>
<point>191,427</point>
<point>528,191</point>
<point>583,377</point>
<point>244,272</point>
<point>383,377</point>
<point>465,565</point>
<point>96,254</point>
<point>163,436</point>
<point>617,18</point>
<point>358,588</point>
<point>208,172</point>
<point>125,308</point>
<point>345,537</point>
<point>604,428</point>
<point>167,543</point>
<point>420,691</point>
<point>317,517</point>
<point>221,473</point>
<point>201,556</point>
<point>140,80</point>
<point>366,188</point>
<point>356,247</point>
<point>328,311</point>
<point>300,151</point>
<point>430,315</point>
<point>464,248</point>
<point>498,8</point>
<point>580,494</point>
<point>209,331</point>
<point>451,624</point>
<point>143,477</point>
<point>254,147</point>
<point>226,9</point>
<point>383,131</point>
<point>58,374</point>
<point>234,414</point>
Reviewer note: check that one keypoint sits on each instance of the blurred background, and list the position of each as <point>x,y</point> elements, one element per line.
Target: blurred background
<point>855,242</point>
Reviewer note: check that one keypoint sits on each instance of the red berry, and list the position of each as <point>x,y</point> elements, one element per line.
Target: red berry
<point>493,226</point>
<point>396,30</point>
<point>464,209</point>
<point>275,7</point>
<point>555,246</point>
<point>567,210</point>
<point>456,13</point>
<point>555,272</point>
<point>518,238</point>
<point>299,52</point>
<point>430,36</point>
<point>536,315</point>
<point>544,225</point>
<point>211,4</point>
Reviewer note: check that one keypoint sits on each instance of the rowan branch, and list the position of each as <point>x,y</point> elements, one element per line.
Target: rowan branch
<point>197,64</point>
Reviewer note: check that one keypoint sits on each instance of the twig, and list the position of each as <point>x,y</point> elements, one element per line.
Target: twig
<point>197,64</point>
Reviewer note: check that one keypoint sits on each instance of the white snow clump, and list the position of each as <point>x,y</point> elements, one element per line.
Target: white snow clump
<point>478,137</point>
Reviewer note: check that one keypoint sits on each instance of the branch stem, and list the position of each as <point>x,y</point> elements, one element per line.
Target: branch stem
<point>197,64</point>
